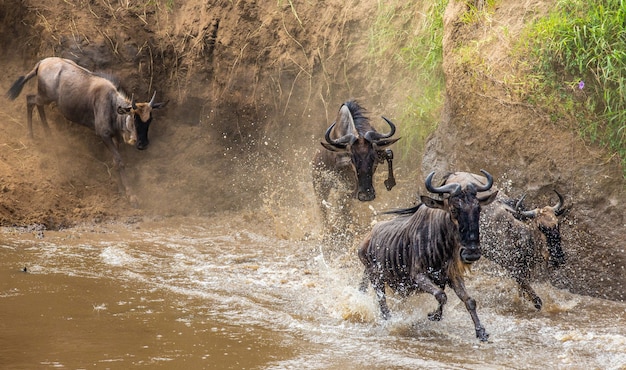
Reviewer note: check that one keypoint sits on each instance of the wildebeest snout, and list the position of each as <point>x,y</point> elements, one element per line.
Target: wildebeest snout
<point>366,195</point>
<point>471,253</point>
<point>142,144</point>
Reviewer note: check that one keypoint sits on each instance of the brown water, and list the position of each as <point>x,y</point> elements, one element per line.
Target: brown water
<point>225,293</point>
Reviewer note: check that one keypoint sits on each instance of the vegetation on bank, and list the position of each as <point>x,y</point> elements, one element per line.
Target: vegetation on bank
<point>579,56</point>
<point>575,56</point>
<point>410,36</point>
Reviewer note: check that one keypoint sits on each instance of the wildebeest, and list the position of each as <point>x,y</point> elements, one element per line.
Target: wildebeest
<point>428,247</point>
<point>352,151</point>
<point>91,100</point>
<point>516,238</point>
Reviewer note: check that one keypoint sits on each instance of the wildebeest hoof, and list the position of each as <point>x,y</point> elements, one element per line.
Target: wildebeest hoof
<point>482,335</point>
<point>435,316</point>
<point>538,303</point>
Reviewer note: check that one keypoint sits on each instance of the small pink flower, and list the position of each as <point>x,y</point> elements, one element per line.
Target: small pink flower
<point>581,85</point>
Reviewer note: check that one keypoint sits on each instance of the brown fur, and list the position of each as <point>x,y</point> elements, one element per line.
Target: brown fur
<point>91,100</point>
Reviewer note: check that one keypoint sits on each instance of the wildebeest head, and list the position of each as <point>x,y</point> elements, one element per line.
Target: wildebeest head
<point>546,220</point>
<point>464,208</point>
<point>354,137</point>
<point>137,123</point>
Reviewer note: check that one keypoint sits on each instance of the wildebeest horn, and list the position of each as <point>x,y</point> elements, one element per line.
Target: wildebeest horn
<point>489,182</point>
<point>374,136</point>
<point>558,207</point>
<point>452,189</point>
<point>152,100</point>
<point>518,205</point>
<point>342,141</point>
<point>132,102</point>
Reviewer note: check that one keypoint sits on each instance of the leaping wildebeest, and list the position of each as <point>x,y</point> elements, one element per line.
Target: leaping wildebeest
<point>428,247</point>
<point>91,100</point>
<point>352,151</point>
<point>516,238</point>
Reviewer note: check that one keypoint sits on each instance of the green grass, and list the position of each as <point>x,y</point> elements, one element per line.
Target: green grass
<point>413,44</point>
<point>582,40</point>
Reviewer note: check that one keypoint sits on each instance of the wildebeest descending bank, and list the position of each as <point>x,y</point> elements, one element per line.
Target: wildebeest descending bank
<point>518,239</point>
<point>352,151</point>
<point>428,247</point>
<point>91,100</point>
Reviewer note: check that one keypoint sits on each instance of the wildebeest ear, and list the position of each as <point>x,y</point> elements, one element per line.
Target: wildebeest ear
<point>160,105</point>
<point>488,199</point>
<point>432,203</point>
<point>386,142</point>
<point>121,110</point>
<point>334,148</point>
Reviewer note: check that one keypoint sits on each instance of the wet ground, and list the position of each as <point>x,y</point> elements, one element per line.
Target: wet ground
<point>226,293</point>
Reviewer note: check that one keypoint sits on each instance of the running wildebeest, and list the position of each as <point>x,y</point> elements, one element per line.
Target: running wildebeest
<point>517,239</point>
<point>91,100</point>
<point>352,151</point>
<point>428,247</point>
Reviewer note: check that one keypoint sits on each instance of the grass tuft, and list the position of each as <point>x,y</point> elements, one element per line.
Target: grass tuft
<point>579,57</point>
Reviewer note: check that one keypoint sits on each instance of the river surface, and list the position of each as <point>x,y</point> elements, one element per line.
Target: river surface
<point>227,293</point>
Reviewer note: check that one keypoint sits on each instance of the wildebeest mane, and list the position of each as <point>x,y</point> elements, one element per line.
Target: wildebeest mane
<point>361,122</point>
<point>115,81</point>
<point>403,211</point>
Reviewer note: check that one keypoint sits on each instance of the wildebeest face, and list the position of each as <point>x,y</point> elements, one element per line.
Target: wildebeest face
<point>141,116</point>
<point>364,161</point>
<point>464,208</point>
<point>465,212</point>
<point>548,224</point>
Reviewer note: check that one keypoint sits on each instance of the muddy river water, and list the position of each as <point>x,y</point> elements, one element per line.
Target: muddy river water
<point>226,293</point>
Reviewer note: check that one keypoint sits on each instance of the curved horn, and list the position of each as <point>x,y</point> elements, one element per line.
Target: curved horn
<point>518,205</point>
<point>558,207</point>
<point>151,104</point>
<point>342,141</point>
<point>373,136</point>
<point>393,129</point>
<point>451,189</point>
<point>486,187</point>
<point>132,102</point>
<point>327,134</point>
<point>529,214</point>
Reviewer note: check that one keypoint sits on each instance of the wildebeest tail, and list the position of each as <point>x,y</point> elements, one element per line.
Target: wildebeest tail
<point>17,86</point>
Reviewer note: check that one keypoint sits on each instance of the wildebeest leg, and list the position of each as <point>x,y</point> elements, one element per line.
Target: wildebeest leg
<point>31,102</point>
<point>379,287</point>
<point>423,283</point>
<point>470,304</point>
<point>529,293</point>
<point>121,168</point>
<point>365,281</point>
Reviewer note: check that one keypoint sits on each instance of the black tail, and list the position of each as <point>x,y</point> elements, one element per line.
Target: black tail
<point>16,89</point>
